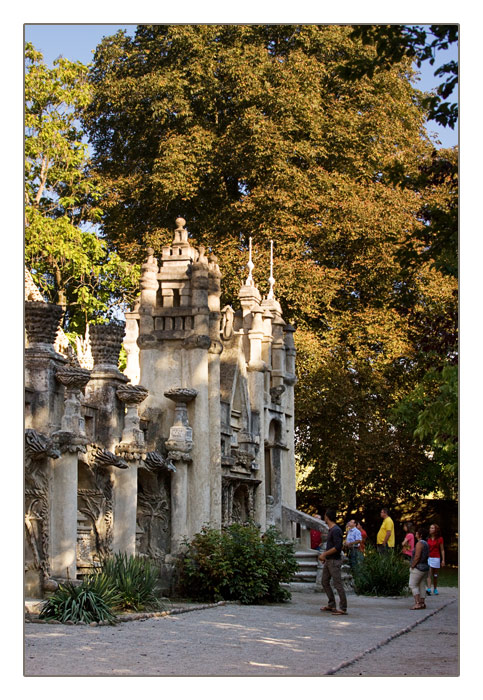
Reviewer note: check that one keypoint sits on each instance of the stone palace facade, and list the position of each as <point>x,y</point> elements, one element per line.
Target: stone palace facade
<point>198,430</point>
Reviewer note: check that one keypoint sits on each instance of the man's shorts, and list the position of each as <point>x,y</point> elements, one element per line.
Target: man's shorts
<point>434,562</point>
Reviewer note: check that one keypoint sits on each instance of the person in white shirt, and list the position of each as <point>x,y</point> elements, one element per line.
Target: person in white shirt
<point>353,542</point>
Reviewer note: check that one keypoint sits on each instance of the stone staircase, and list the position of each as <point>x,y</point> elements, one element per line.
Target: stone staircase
<point>306,576</point>
<point>309,574</point>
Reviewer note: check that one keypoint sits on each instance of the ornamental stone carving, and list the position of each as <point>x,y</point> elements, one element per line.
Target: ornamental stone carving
<point>197,341</point>
<point>72,377</point>
<point>39,446</point>
<point>132,395</point>
<point>154,461</point>
<point>180,434</point>
<point>96,503</point>
<point>106,341</point>
<point>42,321</point>
<point>276,393</point>
<point>104,458</point>
<point>181,395</point>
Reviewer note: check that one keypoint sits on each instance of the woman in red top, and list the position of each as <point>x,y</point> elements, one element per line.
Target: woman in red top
<point>362,545</point>
<point>435,558</point>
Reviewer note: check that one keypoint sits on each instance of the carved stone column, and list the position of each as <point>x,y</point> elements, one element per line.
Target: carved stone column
<point>132,449</point>
<point>71,440</point>
<point>179,445</point>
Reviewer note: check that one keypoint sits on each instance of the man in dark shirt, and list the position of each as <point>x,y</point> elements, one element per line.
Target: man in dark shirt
<point>331,559</point>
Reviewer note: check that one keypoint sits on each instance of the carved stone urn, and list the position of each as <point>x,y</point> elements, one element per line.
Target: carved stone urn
<point>74,379</point>
<point>42,322</point>
<point>132,435</point>
<point>106,342</point>
<point>180,434</point>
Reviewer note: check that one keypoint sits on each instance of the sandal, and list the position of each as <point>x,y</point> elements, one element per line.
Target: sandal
<point>327,609</point>
<point>418,607</point>
<point>339,612</point>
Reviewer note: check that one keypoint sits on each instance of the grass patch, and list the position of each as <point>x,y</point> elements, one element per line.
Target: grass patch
<point>448,577</point>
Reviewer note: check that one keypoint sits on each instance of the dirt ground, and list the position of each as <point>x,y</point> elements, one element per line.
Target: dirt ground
<point>379,637</point>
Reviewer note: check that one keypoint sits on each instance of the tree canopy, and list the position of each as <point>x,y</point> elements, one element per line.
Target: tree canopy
<point>71,264</point>
<point>273,132</point>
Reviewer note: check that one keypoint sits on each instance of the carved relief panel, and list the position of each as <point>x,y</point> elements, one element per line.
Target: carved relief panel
<point>153,533</point>
<point>95,514</point>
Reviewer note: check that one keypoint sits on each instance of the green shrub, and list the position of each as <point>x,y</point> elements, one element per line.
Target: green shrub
<point>135,580</point>
<point>79,603</point>
<point>237,563</point>
<point>381,574</point>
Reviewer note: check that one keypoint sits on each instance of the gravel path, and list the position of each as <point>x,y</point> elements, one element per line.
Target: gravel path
<point>274,640</point>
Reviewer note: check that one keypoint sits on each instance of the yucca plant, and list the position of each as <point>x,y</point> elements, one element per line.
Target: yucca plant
<point>135,580</point>
<point>79,603</point>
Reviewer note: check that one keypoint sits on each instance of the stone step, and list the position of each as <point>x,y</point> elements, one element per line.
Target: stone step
<point>308,568</point>
<point>306,554</point>
<point>304,576</point>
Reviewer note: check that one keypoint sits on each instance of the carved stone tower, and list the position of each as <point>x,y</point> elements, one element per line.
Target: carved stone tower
<point>179,348</point>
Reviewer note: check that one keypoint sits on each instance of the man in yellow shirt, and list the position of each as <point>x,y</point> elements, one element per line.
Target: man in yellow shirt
<point>386,538</point>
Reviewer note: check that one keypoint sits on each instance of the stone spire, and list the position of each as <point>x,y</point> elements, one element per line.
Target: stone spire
<point>249,281</point>
<point>271,279</point>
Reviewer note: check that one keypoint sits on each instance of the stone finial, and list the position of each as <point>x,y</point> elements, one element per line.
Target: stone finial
<point>106,342</point>
<point>180,233</point>
<point>132,395</point>
<point>42,321</point>
<point>201,257</point>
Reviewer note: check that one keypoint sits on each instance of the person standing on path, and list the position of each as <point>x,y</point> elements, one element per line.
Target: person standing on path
<point>419,568</point>
<point>436,557</point>
<point>408,542</point>
<point>331,558</point>
<point>352,543</point>
<point>386,538</point>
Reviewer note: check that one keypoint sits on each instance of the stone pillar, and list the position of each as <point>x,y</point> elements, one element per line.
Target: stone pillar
<point>125,481</point>
<point>289,481</point>
<point>214,406</point>
<point>197,346</point>
<point>180,444</point>
<point>72,439</point>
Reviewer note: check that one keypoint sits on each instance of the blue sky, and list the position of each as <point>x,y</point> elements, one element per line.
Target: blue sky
<point>78,41</point>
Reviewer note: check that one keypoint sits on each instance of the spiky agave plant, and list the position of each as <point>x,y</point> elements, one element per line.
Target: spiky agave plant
<point>79,603</point>
<point>135,580</point>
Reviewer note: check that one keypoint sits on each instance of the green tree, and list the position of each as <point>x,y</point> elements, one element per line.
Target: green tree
<point>421,43</point>
<point>72,265</point>
<point>256,130</point>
